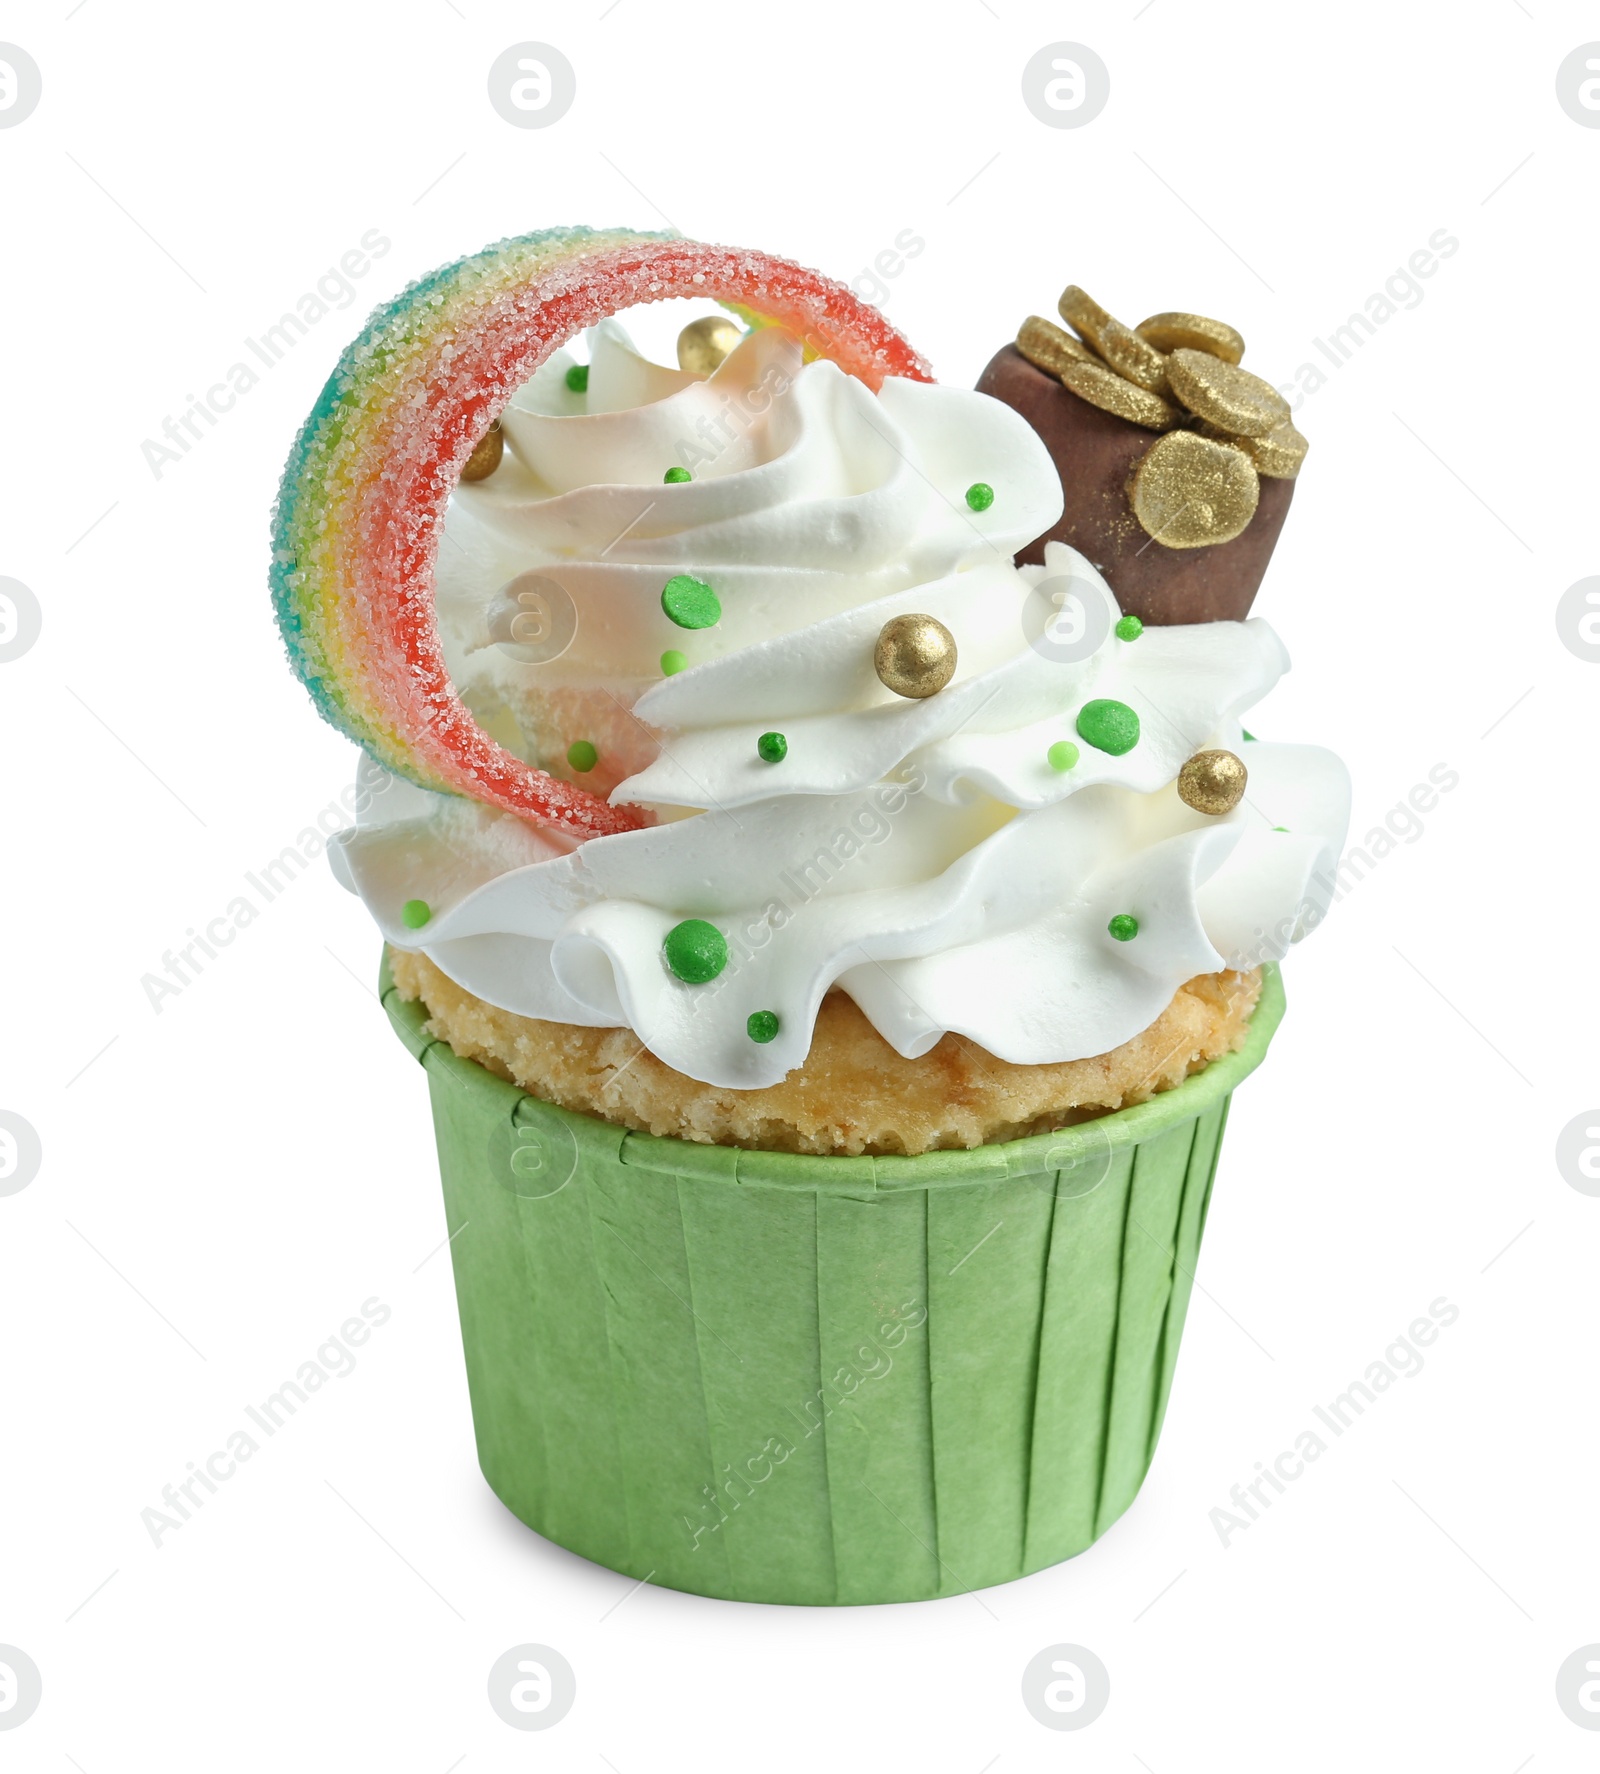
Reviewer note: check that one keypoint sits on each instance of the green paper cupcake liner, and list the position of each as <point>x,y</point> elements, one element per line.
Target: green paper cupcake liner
<point>776,1378</point>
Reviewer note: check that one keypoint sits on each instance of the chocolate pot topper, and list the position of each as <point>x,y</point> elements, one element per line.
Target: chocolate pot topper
<point>1177,466</point>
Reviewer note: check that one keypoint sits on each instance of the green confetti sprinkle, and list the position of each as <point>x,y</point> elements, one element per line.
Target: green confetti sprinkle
<point>1124,927</point>
<point>980,495</point>
<point>415,913</point>
<point>1062,755</point>
<point>1108,726</point>
<point>1249,736</point>
<point>690,602</point>
<point>763,1026</point>
<point>672,662</point>
<point>1129,628</point>
<point>773,747</point>
<point>578,378</point>
<point>676,476</point>
<point>1280,828</point>
<point>581,755</point>
<point>695,951</point>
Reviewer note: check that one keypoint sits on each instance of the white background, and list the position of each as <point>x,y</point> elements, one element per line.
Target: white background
<point>224,1182</point>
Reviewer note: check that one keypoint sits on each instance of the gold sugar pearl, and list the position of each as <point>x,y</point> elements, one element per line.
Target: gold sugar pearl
<point>1048,348</point>
<point>1190,492</point>
<point>486,454</point>
<point>703,344</point>
<point>1279,454</point>
<point>1112,393</point>
<point>1227,396</point>
<point>1192,332</point>
<point>915,656</point>
<point>1212,782</point>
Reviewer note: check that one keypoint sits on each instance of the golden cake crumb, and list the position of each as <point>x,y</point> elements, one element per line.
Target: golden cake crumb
<point>854,1094</point>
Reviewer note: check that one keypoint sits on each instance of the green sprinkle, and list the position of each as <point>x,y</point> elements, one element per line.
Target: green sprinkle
<point>690,602</point>
<point>581,755</point>
<point>1129,628</point>
<point>1124,927</point>
<point>415,913</point>
<point>773,747</point>
<point>1249,736</point>
<point>675,476</point>
<point>578,378</point>
<point>762,1026</point>
<point>672,662</point>
<point>695,950</point>
<point>1062,755</point>
<point>980,495</point>
<point>1280,828</point>
<point>1108,726</point>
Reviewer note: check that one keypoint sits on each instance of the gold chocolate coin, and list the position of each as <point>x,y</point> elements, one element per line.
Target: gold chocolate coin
<point>1044,344</point>
<point>1235,400</point>
<point>1189,492</point>
<point>486,454</point>
<point>1112,393</point>
<point>1279,454</point>
<point>1192,332</point>
<point>1133,357</point>
<point>1212,782</point>
<point>1120,346</point>
<point>1081,312</point>
<point>703,344</point>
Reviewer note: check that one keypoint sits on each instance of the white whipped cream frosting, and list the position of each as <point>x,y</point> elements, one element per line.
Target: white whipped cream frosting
<point>921,855</point>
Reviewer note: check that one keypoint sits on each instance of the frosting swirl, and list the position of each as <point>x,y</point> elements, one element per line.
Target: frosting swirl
<point>924,856</point>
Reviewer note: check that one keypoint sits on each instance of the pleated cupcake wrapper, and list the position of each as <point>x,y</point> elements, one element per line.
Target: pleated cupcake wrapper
<point>821,1380</point>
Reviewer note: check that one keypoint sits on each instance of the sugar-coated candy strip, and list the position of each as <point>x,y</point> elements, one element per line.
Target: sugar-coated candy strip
<point>361,508</point>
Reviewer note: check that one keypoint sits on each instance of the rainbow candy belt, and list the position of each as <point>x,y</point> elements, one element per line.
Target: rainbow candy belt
<point>361,507</point>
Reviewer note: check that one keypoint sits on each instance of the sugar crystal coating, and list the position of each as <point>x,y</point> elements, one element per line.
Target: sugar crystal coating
<point>695,951</point>
<point>1109,726</point>
<point>690,602</point>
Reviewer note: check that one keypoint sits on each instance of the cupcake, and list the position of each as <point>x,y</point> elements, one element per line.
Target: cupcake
<point>832,945</point>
